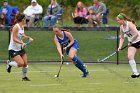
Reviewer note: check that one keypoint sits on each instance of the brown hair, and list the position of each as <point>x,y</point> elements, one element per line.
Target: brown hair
<point>2,20</point>
<point>122,16</point>
<point>19,17</point>
<point>62,29</point>
<point>77,9</point>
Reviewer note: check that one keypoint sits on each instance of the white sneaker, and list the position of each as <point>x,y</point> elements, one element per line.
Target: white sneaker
<point>8,67</point>
<point>135,75</point>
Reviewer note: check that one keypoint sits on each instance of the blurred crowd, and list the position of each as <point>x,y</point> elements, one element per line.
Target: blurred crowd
<point>94,15</point>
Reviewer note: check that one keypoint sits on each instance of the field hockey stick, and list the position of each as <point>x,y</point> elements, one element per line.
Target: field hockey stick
<point>102,60</point>
<point>61,62</point>
<point>60,68</point>
<point>27,43</point>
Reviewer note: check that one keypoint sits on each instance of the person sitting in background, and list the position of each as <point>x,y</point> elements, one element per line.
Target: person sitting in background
<point>33,11</point>
<point>91,13</point>
<point>98,9</point>
<point>2,20</point>
<point>7,10</point>
<point>80,14</point>
<point>15,11</point>
<point>52,12</point>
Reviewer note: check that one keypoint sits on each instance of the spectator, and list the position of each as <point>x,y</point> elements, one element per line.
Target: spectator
<point>15,11</point>
<point>80,14</point>
<point>7,10</point>
<point>33,11</point>
<point>98,9</point>
<point>2,20</point>
<point>52,12</point>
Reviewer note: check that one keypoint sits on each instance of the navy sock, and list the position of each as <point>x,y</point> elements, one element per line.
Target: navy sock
<point>79,64</point>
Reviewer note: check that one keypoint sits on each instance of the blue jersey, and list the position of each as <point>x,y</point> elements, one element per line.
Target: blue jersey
<point>65,41</point>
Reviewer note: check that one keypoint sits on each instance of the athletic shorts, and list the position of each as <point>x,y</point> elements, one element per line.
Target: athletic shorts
<point>15,53</point>
<point>75,45</point>
<point>136,45</point>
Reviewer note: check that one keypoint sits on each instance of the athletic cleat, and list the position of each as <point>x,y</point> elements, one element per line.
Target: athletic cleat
<point>85,74</point>
<point>135,76</point>
<point>26,79</point>
<point>8,68</point>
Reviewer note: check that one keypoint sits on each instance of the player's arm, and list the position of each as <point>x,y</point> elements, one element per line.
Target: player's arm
<point>58,46</point>
<point>121,39</point>
<point>15,34</point>
<point>69,35</point>
<point>28,37</point>
<point>134,31</point>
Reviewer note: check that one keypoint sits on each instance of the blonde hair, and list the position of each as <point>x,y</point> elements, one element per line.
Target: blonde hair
<point>122,16</point>
<point>62,29</point>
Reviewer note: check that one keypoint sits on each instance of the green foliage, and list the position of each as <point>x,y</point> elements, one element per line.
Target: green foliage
<point>129,7</point>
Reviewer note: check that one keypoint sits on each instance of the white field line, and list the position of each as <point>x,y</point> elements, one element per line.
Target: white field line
<point>96,83</point>
<point>132,82</point>
<point>45,85</point>
<point>35,71</point>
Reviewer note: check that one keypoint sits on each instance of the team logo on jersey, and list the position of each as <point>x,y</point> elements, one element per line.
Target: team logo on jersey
<point>128,33</point>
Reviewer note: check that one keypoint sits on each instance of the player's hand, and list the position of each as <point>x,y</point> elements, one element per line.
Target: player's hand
<point>23,45</point>
<point>62,56</point>
<point>65,48</point>
<point>129,44</point>
<point>119,49</point>
<point>31,39</point>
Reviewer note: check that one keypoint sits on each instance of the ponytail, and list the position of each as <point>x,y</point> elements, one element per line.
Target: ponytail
<point>62,29</point>
<point>19,17</point>
<point>131,20</point>
<point>68,30</point>
<point>122,16</point>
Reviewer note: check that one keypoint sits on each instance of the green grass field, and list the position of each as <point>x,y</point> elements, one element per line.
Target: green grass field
<point>93,46</point>
<point>103,78</point>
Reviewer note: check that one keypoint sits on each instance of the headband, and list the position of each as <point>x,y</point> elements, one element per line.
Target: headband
<point>121,16</point>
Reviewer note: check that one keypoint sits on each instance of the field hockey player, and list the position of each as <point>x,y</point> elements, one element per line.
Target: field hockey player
<point>65,38</point>
<point>128,28</point>
<point>16,51</point>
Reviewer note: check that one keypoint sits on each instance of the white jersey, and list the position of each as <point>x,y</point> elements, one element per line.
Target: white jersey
<point>129,33</point>
<point>13,45</point>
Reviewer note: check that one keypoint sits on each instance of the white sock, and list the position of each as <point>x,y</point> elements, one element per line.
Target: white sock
<point>133,66</point>
<point>13,63</point>
<point>24,71</point>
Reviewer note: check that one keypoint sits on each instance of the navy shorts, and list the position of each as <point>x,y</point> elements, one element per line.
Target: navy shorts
<point>136,45</point>
<point>75,45</point>
<point>13,53</point>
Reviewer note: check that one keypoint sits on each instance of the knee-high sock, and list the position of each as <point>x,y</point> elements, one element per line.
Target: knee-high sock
<point>79,64</point>
<point>13,63</point>
<point>133,66</point>
<point>24,71</point>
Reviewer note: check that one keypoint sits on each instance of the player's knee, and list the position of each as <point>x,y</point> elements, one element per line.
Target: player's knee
<point>25,65</point>
<point>71,56</point>
<point>21,64</point>
<point>130,57</point>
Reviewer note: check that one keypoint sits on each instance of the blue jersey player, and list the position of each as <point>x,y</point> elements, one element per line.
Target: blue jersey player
<point>65,38</point>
